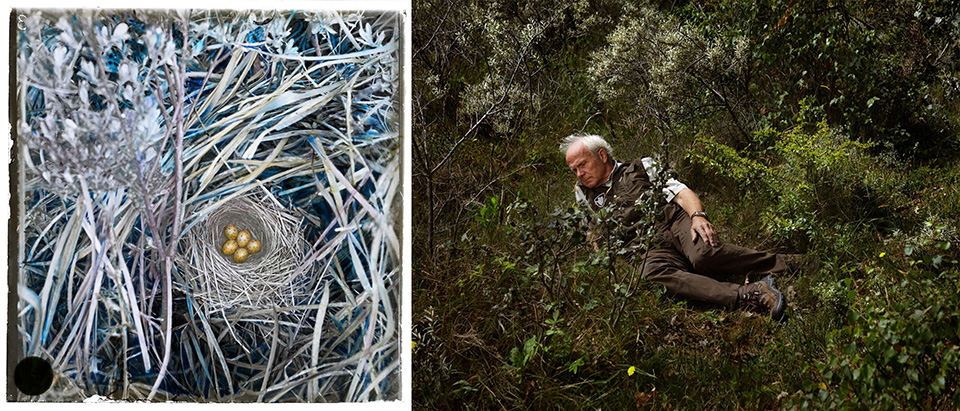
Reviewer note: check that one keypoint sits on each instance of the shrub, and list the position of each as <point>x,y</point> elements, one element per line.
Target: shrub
<point>811,183</point>
<point>901,346</point>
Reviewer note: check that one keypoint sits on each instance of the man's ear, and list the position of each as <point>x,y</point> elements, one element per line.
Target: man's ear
<point>602,155</point>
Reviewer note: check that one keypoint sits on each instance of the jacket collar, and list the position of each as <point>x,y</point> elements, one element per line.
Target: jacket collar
<point>609,181</point>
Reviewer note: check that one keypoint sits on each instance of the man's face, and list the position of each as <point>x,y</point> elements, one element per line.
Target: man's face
<point>591,170</point>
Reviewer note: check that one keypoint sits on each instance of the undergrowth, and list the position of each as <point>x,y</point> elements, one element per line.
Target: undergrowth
<point>535,317</point>
<point>823,129</point>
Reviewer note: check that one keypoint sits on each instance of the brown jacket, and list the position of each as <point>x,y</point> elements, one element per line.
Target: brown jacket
<point>628,183</point>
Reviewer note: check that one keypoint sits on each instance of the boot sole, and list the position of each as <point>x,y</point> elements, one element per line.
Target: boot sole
<point>780,307</point>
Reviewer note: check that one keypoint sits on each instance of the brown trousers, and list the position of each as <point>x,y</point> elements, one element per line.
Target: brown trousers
<point>697,271</point>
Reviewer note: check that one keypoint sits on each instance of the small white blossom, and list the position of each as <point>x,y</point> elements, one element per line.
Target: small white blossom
<point>154,38</point>
<point>129,93</point>
<point>59,56</point>
<point>89,71</point>
<point>127,73</point>
<point>169,54</point>
<point>84,94</point>
<point>120,34</point>
<point>69,131</point>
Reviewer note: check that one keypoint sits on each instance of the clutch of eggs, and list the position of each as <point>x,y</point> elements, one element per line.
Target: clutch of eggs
<point>240,243</point>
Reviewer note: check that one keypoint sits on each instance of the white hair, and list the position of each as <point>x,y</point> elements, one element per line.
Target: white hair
<point>593,143</point>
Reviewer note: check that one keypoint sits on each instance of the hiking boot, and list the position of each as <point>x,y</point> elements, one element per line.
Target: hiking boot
<point>762,297</point>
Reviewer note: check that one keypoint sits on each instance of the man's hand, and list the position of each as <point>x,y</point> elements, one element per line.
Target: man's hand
<point>701,227</point>
<point>594,239</point>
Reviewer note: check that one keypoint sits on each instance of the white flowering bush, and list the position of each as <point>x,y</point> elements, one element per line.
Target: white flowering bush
<point>90,106</point>
<point>669,71</point>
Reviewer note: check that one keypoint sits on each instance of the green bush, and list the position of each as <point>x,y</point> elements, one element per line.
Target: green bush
<point>886,71</point>
<point>901,346</point>
<point>813,185</point>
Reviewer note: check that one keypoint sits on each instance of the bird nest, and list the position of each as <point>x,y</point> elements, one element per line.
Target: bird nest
<point>266,278</point>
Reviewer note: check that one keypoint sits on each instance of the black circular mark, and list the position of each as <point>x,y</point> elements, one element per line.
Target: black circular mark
<point>33,376</point>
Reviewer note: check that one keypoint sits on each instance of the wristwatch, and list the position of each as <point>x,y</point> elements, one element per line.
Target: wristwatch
<point>699,214</point>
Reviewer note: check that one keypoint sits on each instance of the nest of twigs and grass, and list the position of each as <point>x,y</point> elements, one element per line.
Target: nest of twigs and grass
<point>267,278</point>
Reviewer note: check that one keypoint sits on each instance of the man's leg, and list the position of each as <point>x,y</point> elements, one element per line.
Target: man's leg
<point>669,268</point>
<point>723,259</point>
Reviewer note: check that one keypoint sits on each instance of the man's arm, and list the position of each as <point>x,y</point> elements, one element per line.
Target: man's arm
<point>686,199</point>
<point>700,226</point>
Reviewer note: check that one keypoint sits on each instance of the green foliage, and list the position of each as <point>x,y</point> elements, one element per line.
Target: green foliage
<point>888,73</point>
<point>806,179</point>
<point>883,70</point>
<point>520,357</point>
<point>725,162</point>
<point>901,346</point>
<point>804,127</point>
<point>669,73</point>
<point>489,213</point>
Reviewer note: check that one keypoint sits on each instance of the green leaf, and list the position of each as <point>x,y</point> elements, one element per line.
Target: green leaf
<point>850,348</point>
<point>912,373</point>
<point>515,357</point>
<point>575,366</point>
<point>529,349</point>
<point>853,316</point>
<point>917,314</point>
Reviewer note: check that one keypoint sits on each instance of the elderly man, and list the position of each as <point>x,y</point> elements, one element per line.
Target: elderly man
<point>688,258</point>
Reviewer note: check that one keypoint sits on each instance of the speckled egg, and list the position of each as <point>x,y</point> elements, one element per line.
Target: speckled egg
<point>243,237</point>
<point>253,246</point>
<point>230,231</point>
<point>241,255</point>
<point>229,247</point>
